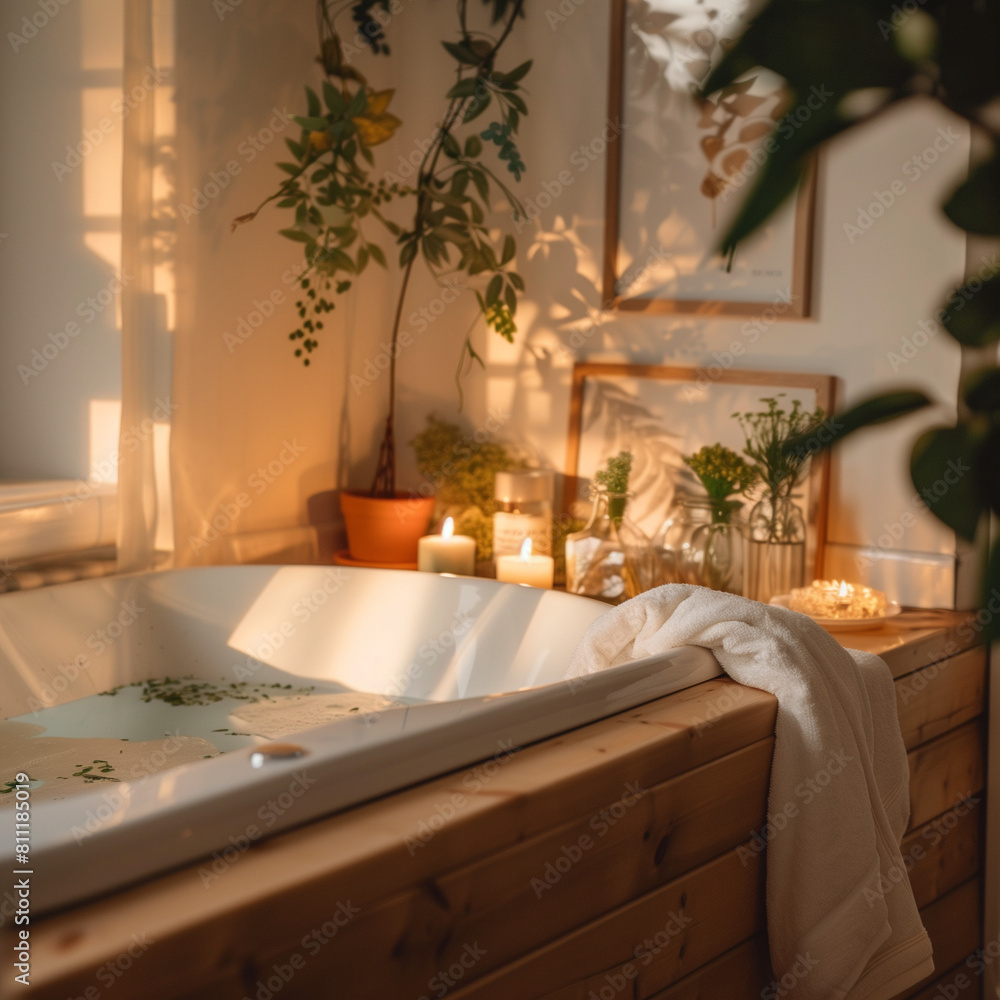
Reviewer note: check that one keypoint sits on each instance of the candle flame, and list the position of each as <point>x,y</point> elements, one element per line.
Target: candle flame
<point>526,548</point>
<point>448,528</point>
<point>845,589</point>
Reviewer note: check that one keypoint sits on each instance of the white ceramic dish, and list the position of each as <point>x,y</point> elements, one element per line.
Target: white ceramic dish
<point>485,660</point>
<point>842,624</point>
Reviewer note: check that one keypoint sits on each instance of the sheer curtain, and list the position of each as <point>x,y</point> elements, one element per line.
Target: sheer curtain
<point>144,535</point>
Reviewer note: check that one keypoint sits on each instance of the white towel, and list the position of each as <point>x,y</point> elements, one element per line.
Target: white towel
<point>841,917</point>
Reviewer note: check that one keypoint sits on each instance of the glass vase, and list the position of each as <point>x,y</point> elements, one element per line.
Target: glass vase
<point>775,548</point>
<point>701,542</point>
<point>611,558</point>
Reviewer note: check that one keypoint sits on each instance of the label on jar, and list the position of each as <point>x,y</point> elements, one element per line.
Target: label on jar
<point>510,531</point>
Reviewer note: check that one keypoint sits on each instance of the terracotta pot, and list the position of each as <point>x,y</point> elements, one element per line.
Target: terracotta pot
<point>383,530</point>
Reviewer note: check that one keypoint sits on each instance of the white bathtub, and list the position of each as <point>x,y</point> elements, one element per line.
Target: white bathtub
<point>486,660</point>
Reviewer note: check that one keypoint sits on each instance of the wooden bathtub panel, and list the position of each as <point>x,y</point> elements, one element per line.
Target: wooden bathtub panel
<point>932,701</point>
<point>943,771</point>
<point>945,852</point>
<point>292,881</point>
<point>957,983</point>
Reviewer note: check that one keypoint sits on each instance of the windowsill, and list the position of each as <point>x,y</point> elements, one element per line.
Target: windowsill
<point>55,517</point>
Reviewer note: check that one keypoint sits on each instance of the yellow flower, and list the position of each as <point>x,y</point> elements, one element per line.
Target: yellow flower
<point>319,140</point>
<point>375,125</point>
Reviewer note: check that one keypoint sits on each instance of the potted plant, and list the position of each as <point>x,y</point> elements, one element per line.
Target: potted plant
<point>870,63</point>
<point>440,216</point>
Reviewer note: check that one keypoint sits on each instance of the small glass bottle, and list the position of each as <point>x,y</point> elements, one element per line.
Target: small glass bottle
<point>611,558</point>
<point>524,510</point>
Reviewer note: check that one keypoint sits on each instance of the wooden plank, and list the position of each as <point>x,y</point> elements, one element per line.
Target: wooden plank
<point>906,649</point>
<point>945,771</point>
<point>932,701</point>
<point>945,852</point>
<point>958,983</point>
<point>740,974</point>
<point>955,928</point>
<point>279,889</point>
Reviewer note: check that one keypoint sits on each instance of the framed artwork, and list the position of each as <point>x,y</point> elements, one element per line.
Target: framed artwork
<point>660,413</point>
<point>680,166</point>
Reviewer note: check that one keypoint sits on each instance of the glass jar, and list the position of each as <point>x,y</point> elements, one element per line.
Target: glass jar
<point>523,510</point>
<point>701,542</point>
<point>611,558</point>
<point>776,548</point>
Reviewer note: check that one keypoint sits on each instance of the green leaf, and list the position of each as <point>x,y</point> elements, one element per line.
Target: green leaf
<point>514,76</point>
<point>493,289</point>
<point>482,185</point>
<point>517,103</point>
<point>312,99</point>
<point>357,103</point>
<point>473,146</point>
<point>943,468</point>
<point>464,88</point>
<point>377,255</point>
<point>975,204</point>
<point>333,97</point>
<point>295,148</point>
<point>982,391</point>
<point>516,280</point>
<point>362,261</point>
<point>509,249</point>
<point>461,53</point>
<point>477,107</point>
<point>289,168</point>
<point>316,124</point>
<point>511,297</point>
<point>972,315</point>
<point>408,252</point>
<point>296,234</point>
<point>451,146</point>
<point>876,410</point>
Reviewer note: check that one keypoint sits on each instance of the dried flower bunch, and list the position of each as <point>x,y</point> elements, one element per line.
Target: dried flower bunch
<point>767,432</point>
<point>722,472</point>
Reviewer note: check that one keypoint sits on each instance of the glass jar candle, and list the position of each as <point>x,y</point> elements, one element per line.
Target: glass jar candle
<point>523,510</point>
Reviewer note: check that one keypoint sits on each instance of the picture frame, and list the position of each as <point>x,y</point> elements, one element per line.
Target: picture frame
<point>659,247</point>
<point>661,412</point>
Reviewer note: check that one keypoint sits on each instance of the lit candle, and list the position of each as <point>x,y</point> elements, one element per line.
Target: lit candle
<point>447,552</point>
<point>838,599</point>
<point>535,571</point>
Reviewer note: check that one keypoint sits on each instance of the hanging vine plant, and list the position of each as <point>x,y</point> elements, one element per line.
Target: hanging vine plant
<point>338,204</point>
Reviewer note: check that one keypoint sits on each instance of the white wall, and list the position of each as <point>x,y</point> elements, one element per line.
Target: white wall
<point>240,406</point>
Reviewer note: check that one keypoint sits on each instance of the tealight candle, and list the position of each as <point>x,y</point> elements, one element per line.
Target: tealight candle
<point>536,571</point>
<point>447,552</point>
<point>838,599</point>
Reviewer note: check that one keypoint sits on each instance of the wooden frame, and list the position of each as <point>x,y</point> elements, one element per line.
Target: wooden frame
<point>803,231</point>
<point>822,385</point>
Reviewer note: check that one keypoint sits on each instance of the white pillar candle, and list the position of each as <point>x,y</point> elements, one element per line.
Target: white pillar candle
<point>447,552</point>
<point>535,571</point>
